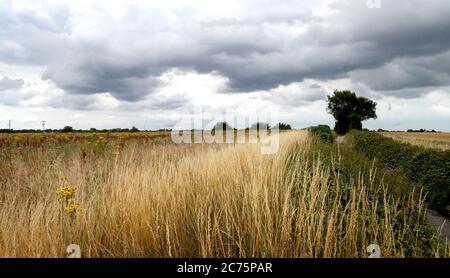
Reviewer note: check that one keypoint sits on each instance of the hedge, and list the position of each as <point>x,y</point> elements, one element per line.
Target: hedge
<point>323,132</point>
<point>427,168</point>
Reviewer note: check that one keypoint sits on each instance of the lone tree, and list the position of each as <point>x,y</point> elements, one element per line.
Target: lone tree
<point>349,110</point>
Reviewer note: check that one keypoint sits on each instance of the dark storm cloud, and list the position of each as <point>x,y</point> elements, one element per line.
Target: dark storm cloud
<point>7,83</point>
<point>125,83</point>
<point>355,38</point>
<point>408,73</point>
<point>299,99</point>
<point>403,45</point>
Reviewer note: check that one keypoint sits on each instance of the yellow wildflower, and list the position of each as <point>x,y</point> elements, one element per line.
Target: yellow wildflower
<point>71,209</point>
<point>66,192</point>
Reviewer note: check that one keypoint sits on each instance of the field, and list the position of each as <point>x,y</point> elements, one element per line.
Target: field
<point>140,195</point>
<point>433,140</point>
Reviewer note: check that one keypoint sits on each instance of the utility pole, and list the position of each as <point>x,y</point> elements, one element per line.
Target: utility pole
<point>43,126</point>
<point>9,125</point>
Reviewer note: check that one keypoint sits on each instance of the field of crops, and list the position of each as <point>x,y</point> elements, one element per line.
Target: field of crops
<point>140,195</point>
<point>435,140</point>
<point>41,139</point>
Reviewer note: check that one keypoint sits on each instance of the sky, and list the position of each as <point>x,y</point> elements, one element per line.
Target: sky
<point>152,64</point>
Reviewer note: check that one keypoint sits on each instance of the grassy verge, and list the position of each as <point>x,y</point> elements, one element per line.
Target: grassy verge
<point>427,168</point>
<point>396,205</point>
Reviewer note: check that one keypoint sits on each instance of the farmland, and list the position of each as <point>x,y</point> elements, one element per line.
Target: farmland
<point>434,140</point>
<point>141,195</point>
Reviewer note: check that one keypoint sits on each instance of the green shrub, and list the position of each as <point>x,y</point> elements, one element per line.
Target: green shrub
<point>67,129</point>
<point>426,167</point>
<point>323,132</point>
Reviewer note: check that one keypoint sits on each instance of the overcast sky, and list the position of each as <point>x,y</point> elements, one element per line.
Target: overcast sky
<point>147,63</point>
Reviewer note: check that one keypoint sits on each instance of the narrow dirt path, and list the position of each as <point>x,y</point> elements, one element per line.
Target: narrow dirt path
<point>441,224</point>
<point>340,139</point>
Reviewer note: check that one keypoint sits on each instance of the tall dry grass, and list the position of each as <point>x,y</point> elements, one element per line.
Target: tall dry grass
<point>166,200</point>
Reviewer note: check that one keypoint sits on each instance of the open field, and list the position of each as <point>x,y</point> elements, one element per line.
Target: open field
<point>152,198</point>
<point>85,138</point>
<point>435,140</point>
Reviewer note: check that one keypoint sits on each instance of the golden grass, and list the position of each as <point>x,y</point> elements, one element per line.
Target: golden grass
<point>166,200</point>
<point>425,139</point>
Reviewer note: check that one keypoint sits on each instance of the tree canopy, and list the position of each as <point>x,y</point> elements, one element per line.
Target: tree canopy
<point>349,110</point>
<point>67,129</point>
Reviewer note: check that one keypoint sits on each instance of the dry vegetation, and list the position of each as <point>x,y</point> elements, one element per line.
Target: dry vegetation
<point>433,140</point>
<point>158,199</point>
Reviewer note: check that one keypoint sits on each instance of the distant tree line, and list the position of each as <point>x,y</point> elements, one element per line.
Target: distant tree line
<point>254,126</point>
<point>421,130</point>
<point>70,129</point>
<point>225,126</point>
<point>409,130</point>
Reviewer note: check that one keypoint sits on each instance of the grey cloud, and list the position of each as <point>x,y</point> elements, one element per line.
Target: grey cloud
<point>168,103</point>
<point>296,100</point>
<point>27,37</point>
<point>391,48</point>
<point>408,73</point>
<point>128,84</point>
<point>76,102</point>
<point>356,38</point>
<point>296,95</point>
<point>7,83</point>
<point>407,93</point>
<point>158,102</point>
